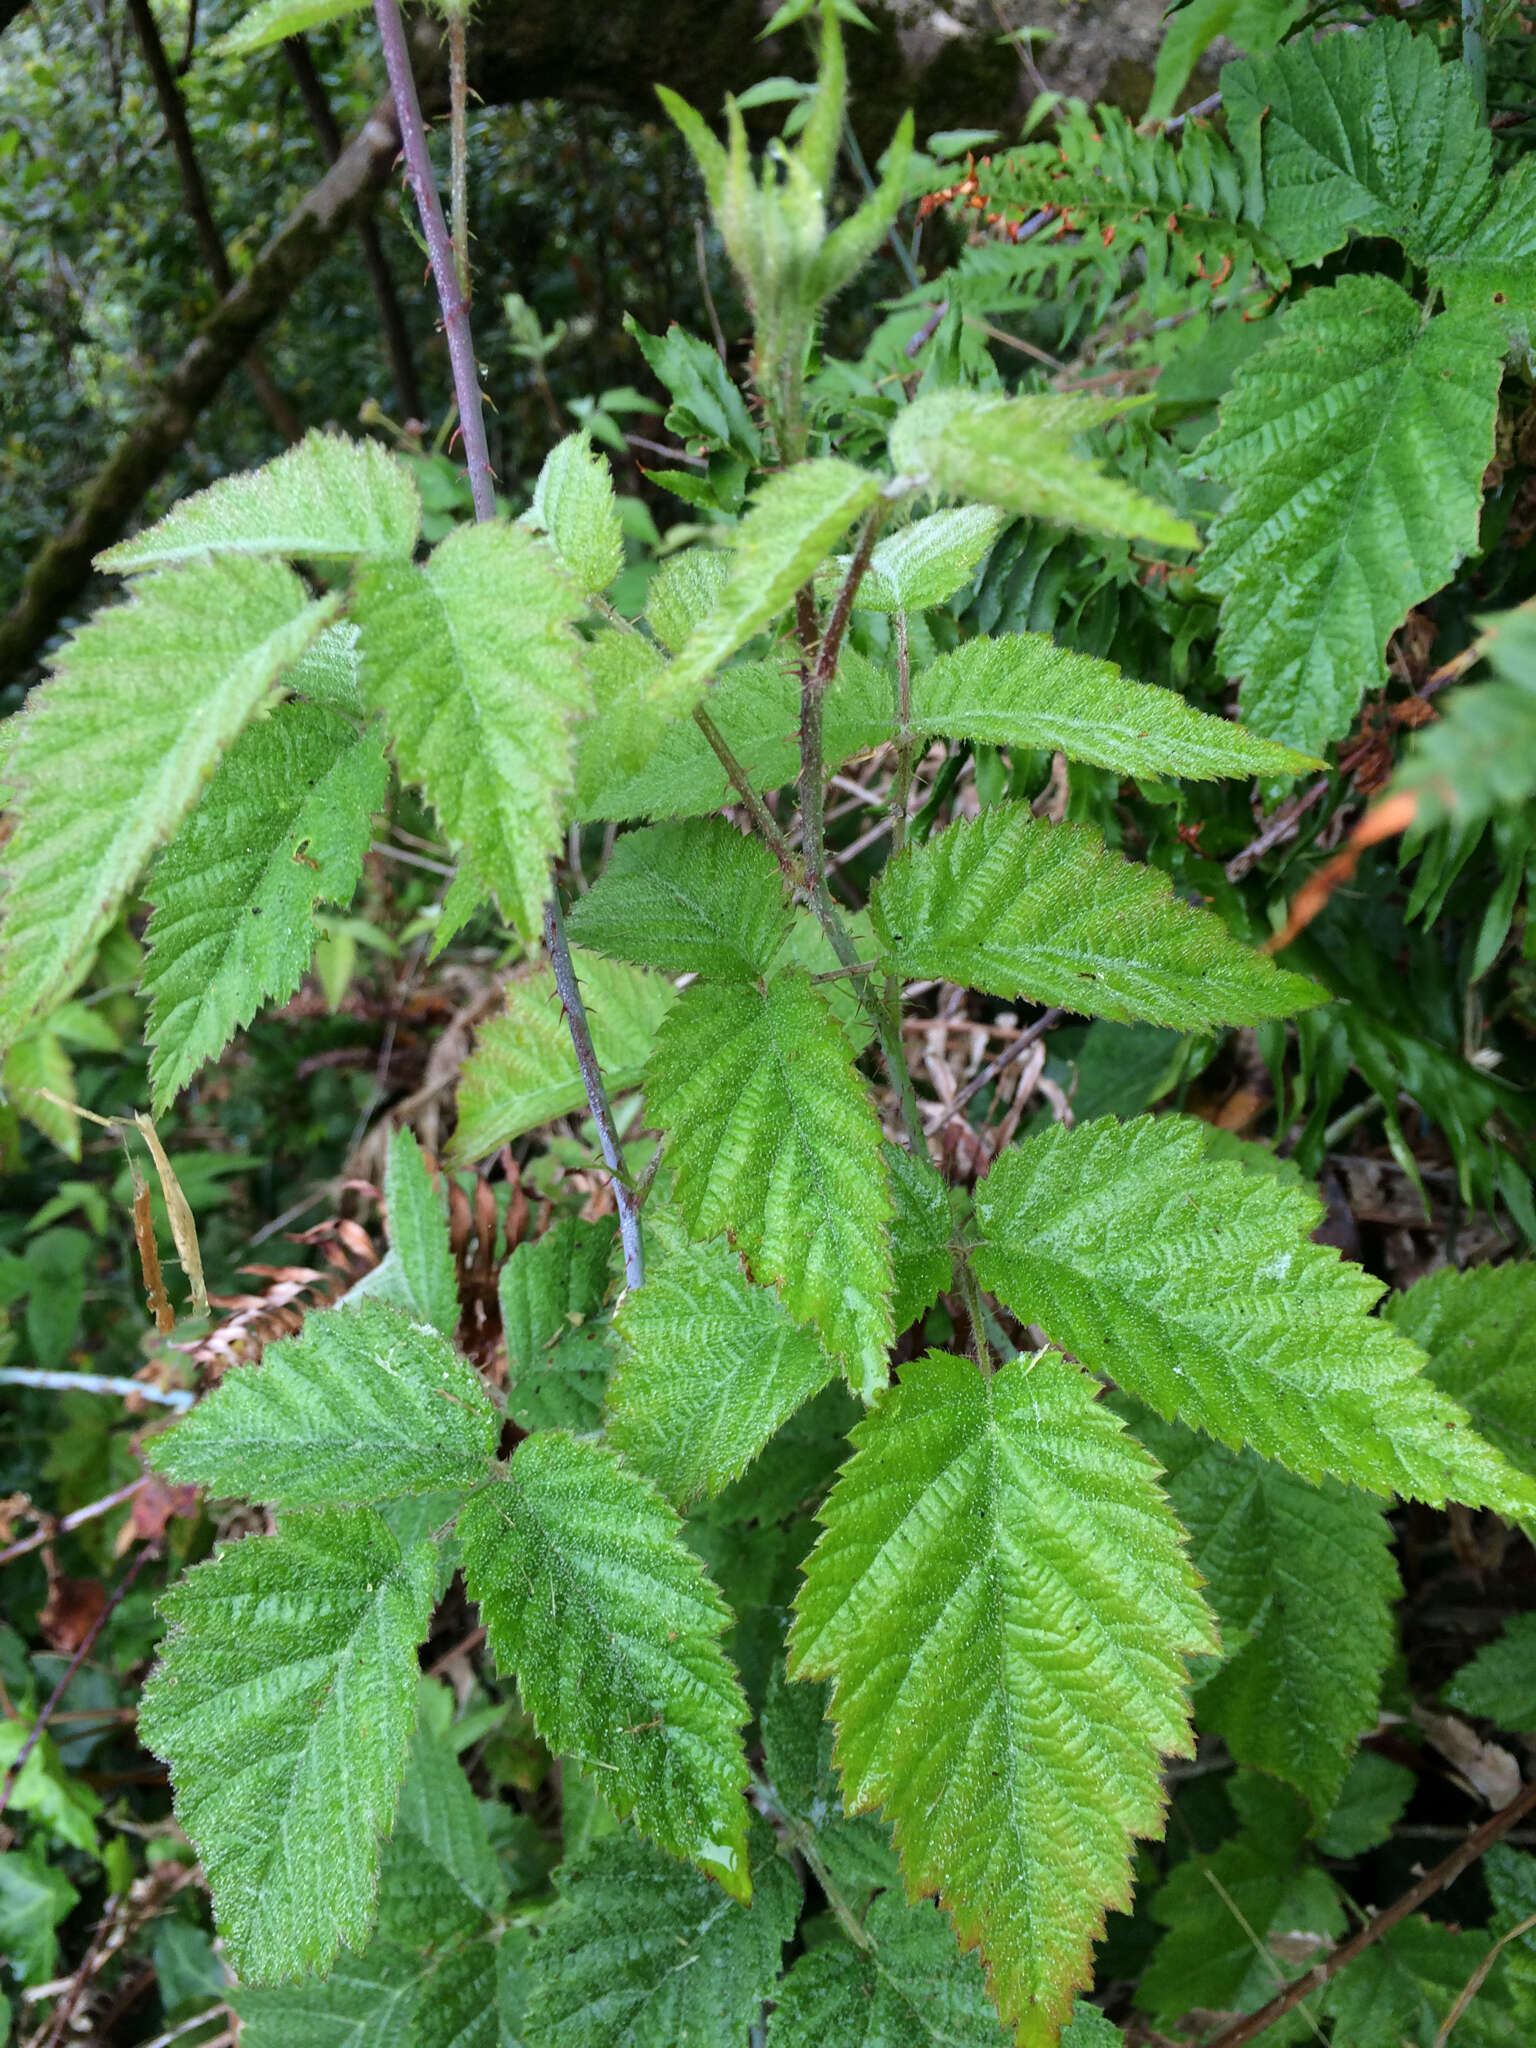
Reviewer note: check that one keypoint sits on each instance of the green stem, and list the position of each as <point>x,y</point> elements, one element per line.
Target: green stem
<point>970,1293</point>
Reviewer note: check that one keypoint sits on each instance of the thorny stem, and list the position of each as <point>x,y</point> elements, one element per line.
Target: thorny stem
<point>762,818</point>
<point>458,94</point>
<point>970,1294</point>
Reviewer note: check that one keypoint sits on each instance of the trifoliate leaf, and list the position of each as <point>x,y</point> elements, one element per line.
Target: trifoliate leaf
<point>418,1235</point>
<point>1011,904</point>
<point>363,1404</point>
<point>573,503</point>
<point>1367,134</point>
<point>709,1366</point>
<point>1370,1804</point>
<point>696,897</point>
<point>1022,690</point>
<point>795,519</point>
<point>921,1229</point>
<point>111,752</point>
<point>913,1989</point>
<point>283,1702</point>
<point>523,1070</point>
<point>1303,1585</point>
<point>772,1137</point>
<point>642,1954</point>
<point>474,665</point>
<point>1018,453</point>
<point>553,1291</point>
<point>1196,1286</point>
<point>1479,1328</point>
<point>1005,1682</point>
<point>1354,444</point>
<point>927,561</point>
<point>283,826</point>
<point>1500,1682</point>
<point>328,498</point>
<point>594,1600</point>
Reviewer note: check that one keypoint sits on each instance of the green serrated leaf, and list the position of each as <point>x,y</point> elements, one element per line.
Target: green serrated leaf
<point>1246,24</point>
<point>283,1702</point>
<point>1011,904</point>
<point>110,753</point>
<point>771,1136</point>
<point>573,502</point>
<point>1354,444</point>
<point>1003,1687</point>
<point>362,1405</point>
<point>1480,755</point>
<point>1370,1804</point>
<point>368,2001</point>
<point>1479,1329</point>
<point>1018,453</point>
<point>523,1070</point>
<point>921,1229</point>
<point>329,498</point>
<point>926,561</point>
<point>913,1989</point>
<point>1500,1681</point>
<point>34,1899</point>
<point>706,405</point>
<point>635,706</point>
<point>38,1075</point>
<point>1196,1286</point>
<point>282,827</point>
<point>709,1366</point>
<point>418,1234</point>
<point>695,897</point>
<point>440,1879</point>
<point>474,665</point>
<point>553,1292</point>
<point>685,589</point>
<point>644,1955</point>
<point>797,1753</point>
<point>1493,268</point>
<point>326,672</point>
<point>1022,690</point>
<point>594,1600</point>
<point>1403,1987</point>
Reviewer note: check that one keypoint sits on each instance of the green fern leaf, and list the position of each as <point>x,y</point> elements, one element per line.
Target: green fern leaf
<point>795,519</point>
<point>921,1230</point>
<point>771,1136</point>
<point>283,826</point>
<point>591,1596</point>
<point>475,667</point>
<point>1355,444</point>
<point>644,1955</point>
<point>553,1290</point>
<point>911,1989</point>
<point>709,1366</point>
<point>1017,453</point>
<point>363,1405</point>
<point>573,503</point>
<point>523,1070</point>
<point>110,753</point>
<point>326,499</point>
<point>1369,134</point>
<point>418,1236</point>
<point>688,898</point>
<point>1196,1286</point>
<point>1004,1685</point>
<point>1479,1329</point>
<point>1022,690</point>
<point>283,1702</point>
<point>1016,906</point>
<point>1303,1585</point>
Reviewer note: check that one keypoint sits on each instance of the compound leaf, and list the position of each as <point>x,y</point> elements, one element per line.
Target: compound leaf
<point>283,826</point>
<point>1479,1329</point>
<point>283,1702</point>
<point>363,1405</point>
<point>1011,904</point>
<point>695,897</point>
<point>1002,1601</point>
<point>912,1989</point>
<point>592,1597</point>
<point>573,503</point>
<point>1196,1286</point>
<point>772,1137</point>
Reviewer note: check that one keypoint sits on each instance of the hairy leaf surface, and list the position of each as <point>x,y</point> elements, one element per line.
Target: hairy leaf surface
<point>1479,1328</point>
<point>1014,905</point>
<point>924,563</point>
<point>912,1990</point>
<point>921,1229</point>
<point>553,1289</point>
<point>1002,1601</point>
<point>418,1235</point>
<point>1195,1285</point>
<point>573,503</point>
<point>440,1879</point>
<point>695,897</point>
<point>273,21</point>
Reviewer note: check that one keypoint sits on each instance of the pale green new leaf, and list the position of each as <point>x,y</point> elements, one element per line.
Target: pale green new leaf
<point>573,503</point>
<point>1196,1286</point>
<point>38,1077</point>
<point>273,21</point>
<point>796,518</point>
<point>1011,904</point>
<point>771,1136</point>
<point>523,1071</point>
<point>634,707</point>
<point>1500,1681</point>
<point>553,1290</point>
<point>417,1215</point>
<point>593,1599</point>
<point>1022,690</point>
<point>685,589</point>
<point>1479,1329</point>
<point>1369,134</point>
<point>1001,1598</point>
<point>111,752</point>
<point>283,826</point>
<point>912,1990</point>
<point>1303,1585</point>
<point>1354,444</point>
<point>283,1702</point>
<point>928,560</point>
<point>642,1954</point>
<point>708,1368</point>
<point>690,898</point>
<point>329,498</point>
<point>362,1405</point>
<point>1018,453</point>
<point>326,672</point>
<point>478,673</point>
